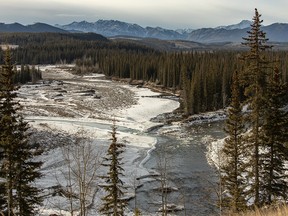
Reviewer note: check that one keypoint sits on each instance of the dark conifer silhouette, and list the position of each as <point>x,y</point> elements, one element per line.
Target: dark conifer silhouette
<point>254,81</point>
<point>275,135</point>
<point>113,203</point>
<point>18,166</point>
<point>233,170</point>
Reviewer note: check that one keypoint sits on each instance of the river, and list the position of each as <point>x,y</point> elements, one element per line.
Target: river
<point>192,180</point>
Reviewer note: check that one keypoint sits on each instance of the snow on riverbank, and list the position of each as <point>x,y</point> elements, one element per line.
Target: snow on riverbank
<point>138,116</point>
<point>90,103</point>
<point>214,153</point>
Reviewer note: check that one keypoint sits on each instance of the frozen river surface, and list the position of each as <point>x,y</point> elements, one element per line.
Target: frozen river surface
<point>68,103</point>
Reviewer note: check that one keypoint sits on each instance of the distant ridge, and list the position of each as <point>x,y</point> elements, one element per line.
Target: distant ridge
<point>277,32</point>
<point>14,27</point>
<point>110,28</point>
<point>242,25</point>
<point>37,27</point>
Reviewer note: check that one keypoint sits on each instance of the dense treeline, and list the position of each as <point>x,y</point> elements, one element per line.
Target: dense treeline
<point>27,74</point>
<point>203,77</point>
<point>51,48</point>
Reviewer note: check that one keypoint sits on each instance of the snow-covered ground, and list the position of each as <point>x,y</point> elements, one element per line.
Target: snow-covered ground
<point>64,104</point>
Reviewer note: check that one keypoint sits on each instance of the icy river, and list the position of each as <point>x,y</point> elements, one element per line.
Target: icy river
<point>181,162</point>
<point>191,180</point>
<point>172,154</point>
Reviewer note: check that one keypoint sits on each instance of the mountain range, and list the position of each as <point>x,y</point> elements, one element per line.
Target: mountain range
<point>37,27</point>
<point>277,32</point>
<point>112,28</point>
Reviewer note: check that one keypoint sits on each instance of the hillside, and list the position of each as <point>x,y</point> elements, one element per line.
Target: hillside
<point>37,27</point>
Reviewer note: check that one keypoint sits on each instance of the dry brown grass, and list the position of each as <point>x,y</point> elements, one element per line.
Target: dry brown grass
<point>272,211</point>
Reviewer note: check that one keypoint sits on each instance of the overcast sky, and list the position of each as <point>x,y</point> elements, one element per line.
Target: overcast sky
<point>171,14</point>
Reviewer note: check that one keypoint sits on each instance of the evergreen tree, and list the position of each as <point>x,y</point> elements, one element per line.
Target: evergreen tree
<point>254,81</point>
<point>27,195</point>
<point>8,109</point>
<point>233,169</point>
<point>113,204</point>
<point>18,167</point>
<point>275,135</point>
<point>185,93</point>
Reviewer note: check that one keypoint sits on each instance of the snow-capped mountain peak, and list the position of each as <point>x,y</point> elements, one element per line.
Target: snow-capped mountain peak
<point>242,25</point>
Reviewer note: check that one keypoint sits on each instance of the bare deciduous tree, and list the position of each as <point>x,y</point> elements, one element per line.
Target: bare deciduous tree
<point>163,165</point>
<point>83,160</point>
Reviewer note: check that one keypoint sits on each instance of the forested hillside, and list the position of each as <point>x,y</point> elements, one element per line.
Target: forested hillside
<point>203,76</point>
<point>51,48</point>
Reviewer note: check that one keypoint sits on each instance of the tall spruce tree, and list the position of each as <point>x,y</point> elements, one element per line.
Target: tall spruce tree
<point>8,109</point>
<point>27,195</point>
<point>18,167</point>
<point>233,170</point>
<point>254,81</point>
<point>113,204</point>
<point>275,135</point>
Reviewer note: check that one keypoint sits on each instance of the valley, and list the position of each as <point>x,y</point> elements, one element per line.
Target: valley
<point>64,104</point>
<point>112,117</point>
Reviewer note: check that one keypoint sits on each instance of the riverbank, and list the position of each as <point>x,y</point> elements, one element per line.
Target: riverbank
<point>64,104</point>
